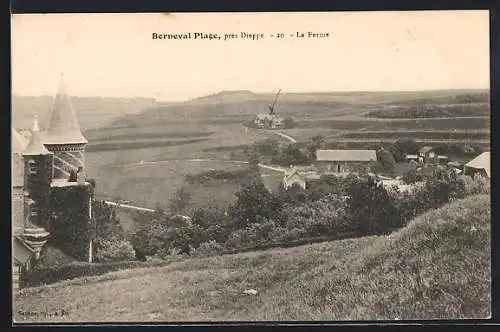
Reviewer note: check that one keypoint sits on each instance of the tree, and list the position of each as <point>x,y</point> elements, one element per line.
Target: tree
<point>180,201</point>
<point>148,240</point>
<point>317,142</point>
<point>291,155</point>
<point>402,147</point>
<point>385,158</point>
<point>371,209</point>
<point>254,202</point>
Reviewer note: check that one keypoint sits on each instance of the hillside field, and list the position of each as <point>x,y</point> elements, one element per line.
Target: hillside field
<point>437,267</point>
<point>175,136</point>
<point>140,149</point>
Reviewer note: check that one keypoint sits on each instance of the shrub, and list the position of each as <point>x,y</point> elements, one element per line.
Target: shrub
<point>113,250</point>
<point>402,147</point>
<point>148,240</point>
<point>209,248</point>
<point>476,185</point>
<point>386,159</point>
<point>412,176</point>
<point>441,187</point>
<point>322,217</point>
<point>183,238</point>
<point>180,201</point>
<point>371,209</point>
<point>254,203</point>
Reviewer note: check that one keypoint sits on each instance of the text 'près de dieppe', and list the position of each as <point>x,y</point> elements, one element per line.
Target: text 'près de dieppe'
<point>239,35</point>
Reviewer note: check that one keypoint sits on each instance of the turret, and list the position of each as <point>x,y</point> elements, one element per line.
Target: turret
<point>38,171</point>
<point>37,178</point>
<point>63,136</point>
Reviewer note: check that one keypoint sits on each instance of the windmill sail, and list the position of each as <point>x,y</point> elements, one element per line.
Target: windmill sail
<point>271,107</point>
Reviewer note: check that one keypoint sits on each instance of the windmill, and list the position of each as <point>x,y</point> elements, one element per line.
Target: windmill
<point>270,120</point>
<point>271,106</point>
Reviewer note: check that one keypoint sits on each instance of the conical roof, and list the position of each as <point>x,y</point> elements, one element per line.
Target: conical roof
<point>19,142</point>
<point>62,125</point>
<point>35,146</point>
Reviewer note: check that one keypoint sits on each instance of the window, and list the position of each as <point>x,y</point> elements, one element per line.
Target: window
<point>33,168</point>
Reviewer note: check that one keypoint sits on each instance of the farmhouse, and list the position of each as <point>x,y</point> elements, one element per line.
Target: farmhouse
<point>341,161</point>
<point>479,165</point>
<point>269,121</point>
<point>300,177</point>
<point>427,154</point>
<point>40,169</point>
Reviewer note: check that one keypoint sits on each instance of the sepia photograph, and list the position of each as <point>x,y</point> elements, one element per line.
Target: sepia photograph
<point>250,167</point>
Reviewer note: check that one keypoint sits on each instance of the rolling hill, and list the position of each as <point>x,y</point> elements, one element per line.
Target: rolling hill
<point>438,267</point>
<point>92,112</point>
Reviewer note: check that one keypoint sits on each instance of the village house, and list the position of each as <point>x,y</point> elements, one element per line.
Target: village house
<point>343,161</point>
<point>479,165</point>
<point>299,177</point>
<point>427,155</point>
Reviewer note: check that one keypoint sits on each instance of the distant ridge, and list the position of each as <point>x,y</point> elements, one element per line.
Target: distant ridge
<point>226,95</point>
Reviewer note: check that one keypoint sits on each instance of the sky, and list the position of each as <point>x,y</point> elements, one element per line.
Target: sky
<point>114,55</point>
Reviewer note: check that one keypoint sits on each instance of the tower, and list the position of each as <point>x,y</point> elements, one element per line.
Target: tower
<point>38,169</point>
<point>19,144</point>
<point>37,179</point>
<point>63,137</point>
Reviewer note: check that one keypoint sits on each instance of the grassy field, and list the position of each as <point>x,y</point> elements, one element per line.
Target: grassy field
<point>423,134</point>
<point>211,127</point>
<point>438,267</point>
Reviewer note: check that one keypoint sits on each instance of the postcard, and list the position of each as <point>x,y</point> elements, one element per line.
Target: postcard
<point>235,167</point>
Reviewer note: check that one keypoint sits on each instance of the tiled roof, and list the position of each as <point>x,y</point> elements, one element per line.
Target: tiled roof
<point>481,162</point>
<point>35,146</point>
<point>346,155</point>
<point>62,125</point>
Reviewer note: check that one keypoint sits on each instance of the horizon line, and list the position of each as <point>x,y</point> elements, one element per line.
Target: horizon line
<point>253,92</point>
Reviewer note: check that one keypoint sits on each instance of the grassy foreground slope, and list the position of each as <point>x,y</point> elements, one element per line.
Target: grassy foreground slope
<point>436,267</point>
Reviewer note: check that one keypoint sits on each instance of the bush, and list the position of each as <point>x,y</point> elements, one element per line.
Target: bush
<point>402,147</point>
<point>477,185</point>
<point>412,176</point>
<point>209,248</point>
<point>386,159</point>
<point>371,209</point>
<point>148,240</point>
<point>254,203</point>
<point>180,201</point>
<point>113,250</point>
<point>183,237</point>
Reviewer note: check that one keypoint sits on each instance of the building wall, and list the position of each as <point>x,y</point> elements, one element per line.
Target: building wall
<point>67,158</point>
<point>295,180</point>
<point>37,180</point>
<point>17,210</point>
<point>343,166</point>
